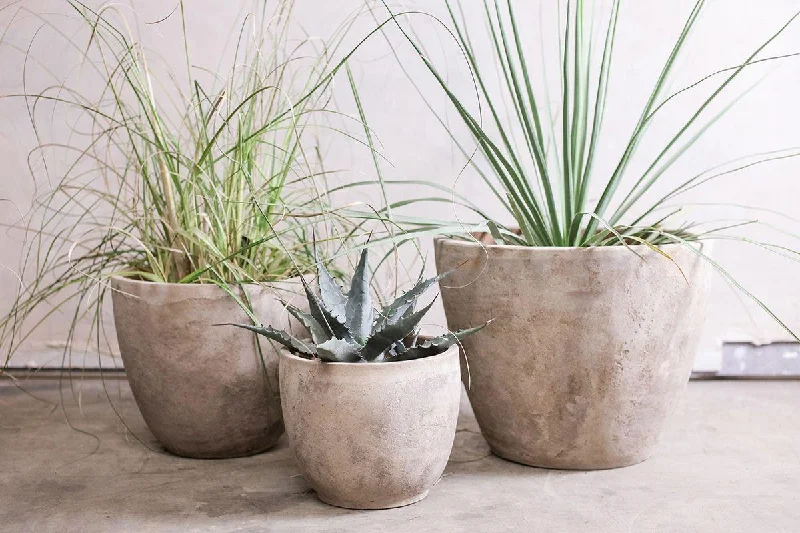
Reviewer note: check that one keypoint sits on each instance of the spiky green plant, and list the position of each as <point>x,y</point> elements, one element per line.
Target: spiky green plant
<point>536,149</point>
<point>346,328</point>
<point>540,162</point>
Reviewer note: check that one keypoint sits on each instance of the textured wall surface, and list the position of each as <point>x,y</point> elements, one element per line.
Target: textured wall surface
<point>415,144</point>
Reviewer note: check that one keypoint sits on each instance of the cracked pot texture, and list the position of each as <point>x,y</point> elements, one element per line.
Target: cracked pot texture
<point>589,351</point>
<point>204,391</point>
<point>371,435</point>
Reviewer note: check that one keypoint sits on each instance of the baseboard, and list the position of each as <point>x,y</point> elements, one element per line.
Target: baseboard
<point>24,373</point>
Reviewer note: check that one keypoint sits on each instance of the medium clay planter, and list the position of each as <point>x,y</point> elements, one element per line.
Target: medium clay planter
<point>371,435</point>
<point>204,391</point>
<point>589,351</point>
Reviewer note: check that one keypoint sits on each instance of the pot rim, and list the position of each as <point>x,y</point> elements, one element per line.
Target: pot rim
<point>361,366</point>
<point>141,282</point>
<point>474,244</point>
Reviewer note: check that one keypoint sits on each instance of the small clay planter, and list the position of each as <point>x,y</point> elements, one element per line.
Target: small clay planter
<point>205,392</point>
<point>589,351</point>
<point>371,435</point>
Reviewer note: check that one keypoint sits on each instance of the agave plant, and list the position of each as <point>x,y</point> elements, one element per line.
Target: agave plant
<point>346,328</point>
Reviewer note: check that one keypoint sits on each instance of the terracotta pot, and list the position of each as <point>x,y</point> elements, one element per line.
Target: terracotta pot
<point>371,435</point>
<point>589,352</point>
<point>204,391</point>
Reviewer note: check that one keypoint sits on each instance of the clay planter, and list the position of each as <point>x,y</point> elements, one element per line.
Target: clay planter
<point>590,348</point>
<point>203,391</point>
<point>371,435</point>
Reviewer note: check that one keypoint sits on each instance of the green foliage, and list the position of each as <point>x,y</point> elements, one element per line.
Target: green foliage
<point>346,328</point>
<point>537,150</point>
<point>173,174</point>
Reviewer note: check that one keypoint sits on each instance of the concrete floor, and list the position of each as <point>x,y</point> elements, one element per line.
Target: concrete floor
<point>729,462</point>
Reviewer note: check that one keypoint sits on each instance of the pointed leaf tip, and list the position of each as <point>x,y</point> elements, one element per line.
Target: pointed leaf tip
<point>406,302</point>
<point>437,345</point>
<point>294,344</point>
<point>359,311</point>
<point>331,293</point>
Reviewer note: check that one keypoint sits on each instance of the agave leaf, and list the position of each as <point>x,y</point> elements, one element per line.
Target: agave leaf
<point>294,344</point>
<point>359,310</point>
<point>435,346</point>
<point>390,354</point>
<point>406,302</point>
<point>389,334</point>
<point>319,333</point>
<point>330,324</point>
<point>403,312</point>
<point>395,315</point>
<point>397,349</point>
<point>338,351</point>
<point>330,292</point>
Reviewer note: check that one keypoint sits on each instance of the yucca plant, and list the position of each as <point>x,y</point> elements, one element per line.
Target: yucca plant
<point>539,158</point>
<point>536,148</point>
<point>346,328</point>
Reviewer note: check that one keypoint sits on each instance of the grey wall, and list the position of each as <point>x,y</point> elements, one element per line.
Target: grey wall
<point>766,119</point>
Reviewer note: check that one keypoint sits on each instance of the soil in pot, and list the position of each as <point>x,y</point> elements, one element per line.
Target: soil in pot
<point>589,352</point>
<point>204,391</point>
<point>371,435</point>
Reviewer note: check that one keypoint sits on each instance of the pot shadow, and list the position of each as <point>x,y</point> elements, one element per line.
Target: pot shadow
<point>472,456</point>
<point>471,453</point>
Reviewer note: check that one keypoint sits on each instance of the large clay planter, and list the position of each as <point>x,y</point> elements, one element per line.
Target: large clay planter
<point>590,348</point>
<point>371,435</point>
<point>204,391</point>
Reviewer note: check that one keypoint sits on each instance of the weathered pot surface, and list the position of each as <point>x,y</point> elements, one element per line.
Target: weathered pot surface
<point>589,351</point>
<point>371,435</point>
<point>204,391</point>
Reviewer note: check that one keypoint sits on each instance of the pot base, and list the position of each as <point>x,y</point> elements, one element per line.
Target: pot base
<point>370,506</point>
<point>567,465</point>
<point>236,452</point>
